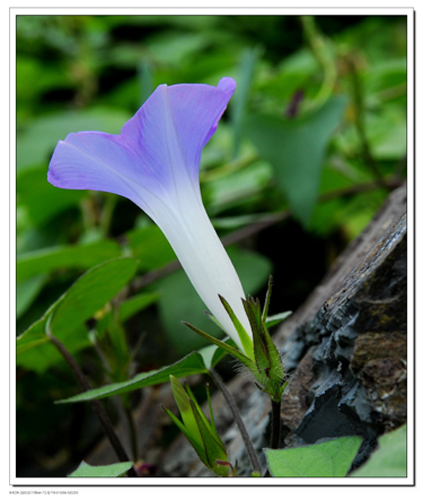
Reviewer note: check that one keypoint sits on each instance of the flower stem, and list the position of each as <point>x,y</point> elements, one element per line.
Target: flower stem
<point>235,412</point>
<point>276,425</point>
<point>321,51</point>
<point>358,101</point>
<point>132,433</point>
<point>98,408</point>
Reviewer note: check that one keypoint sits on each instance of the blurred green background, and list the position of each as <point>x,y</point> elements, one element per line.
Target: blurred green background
<point>312,143</point>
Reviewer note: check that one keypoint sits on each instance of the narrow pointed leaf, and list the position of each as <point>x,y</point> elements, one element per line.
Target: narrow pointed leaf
<point>214,448</point>
<point>230,350</point>
<point>277,318</point>
<point>189,365</point>
<point>267,299</point>
<point>183,401</point>
<point>68,314</point>
<point>197,447</point>
<point>194,402</point>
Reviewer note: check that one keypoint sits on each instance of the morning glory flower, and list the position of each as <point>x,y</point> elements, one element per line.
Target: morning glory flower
<point>155,163</point>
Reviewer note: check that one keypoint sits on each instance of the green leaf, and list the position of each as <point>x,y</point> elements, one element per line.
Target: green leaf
<point>133,305</point>
<point>175,48</point>
<point>277,318</point>
<point>41,200</point>
<point>233,190</point>
<point>89,293</point>
<point>389,459</point>
<point>27,291</point>
<point>34,77</point>
<point>67,315</point>
<point>331,458</point>
<point>189,365</point>
<point>35,352</point>
<point>208,353</point>
<point>82,256</point>
<point>388,135</point>
<point>198,446</point>
<point>213,447</point>
<point>296,148</point>
<point>113,470</point>
<point>246,70</point>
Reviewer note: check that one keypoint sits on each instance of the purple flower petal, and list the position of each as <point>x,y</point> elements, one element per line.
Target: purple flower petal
<point>97,161</point>
<point>174,125</point>
<point>156,150</point>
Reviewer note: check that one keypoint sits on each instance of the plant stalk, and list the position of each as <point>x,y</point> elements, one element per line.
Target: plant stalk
<point>235,412</point>
<point>98,408</point>
<point>358,99</point>
<point>275,438</point>
<point>132,433</point>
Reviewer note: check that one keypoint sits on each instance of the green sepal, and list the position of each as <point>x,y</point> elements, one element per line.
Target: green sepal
<point>277,371</point>
<point>245,339</point>
<point>213,319</point>
<point>269,370</point>
<point>267,299</point>
<point>230,350</point>
<point>261,354</point>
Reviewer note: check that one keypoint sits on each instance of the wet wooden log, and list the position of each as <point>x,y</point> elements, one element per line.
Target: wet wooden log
<point>345,350</point>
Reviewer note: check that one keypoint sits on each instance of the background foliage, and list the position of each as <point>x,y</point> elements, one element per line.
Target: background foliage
<point>312,142</point>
